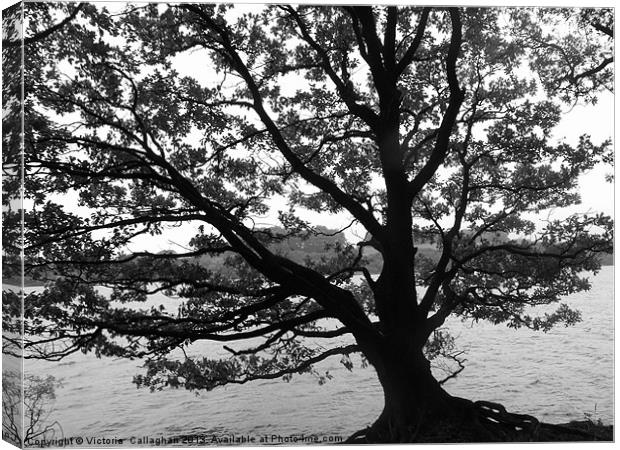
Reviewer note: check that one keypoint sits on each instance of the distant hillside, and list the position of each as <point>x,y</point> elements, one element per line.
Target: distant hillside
<point>299,249</point>
<point>607,259</point>
<point>316,247</point>
<point>16,281</point>
<point>431,250</point>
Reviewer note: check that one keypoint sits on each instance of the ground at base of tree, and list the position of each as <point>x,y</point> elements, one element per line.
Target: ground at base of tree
<point>576,431</point>
<point>486,422</point>
<point>593,431</point>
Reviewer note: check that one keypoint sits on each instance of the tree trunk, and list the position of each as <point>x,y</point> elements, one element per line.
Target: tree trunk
<point>416,408</point>
<point>412,396</point>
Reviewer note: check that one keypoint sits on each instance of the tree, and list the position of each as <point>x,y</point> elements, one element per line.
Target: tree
<point>426,122</point>
<point>38,394</point>
<point>47,30</point>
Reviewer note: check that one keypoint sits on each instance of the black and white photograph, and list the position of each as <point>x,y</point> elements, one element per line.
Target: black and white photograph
<point>243,224</point>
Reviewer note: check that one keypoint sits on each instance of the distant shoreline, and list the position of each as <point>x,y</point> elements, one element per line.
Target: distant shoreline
<point>15,282</point>
<point>29,282</point>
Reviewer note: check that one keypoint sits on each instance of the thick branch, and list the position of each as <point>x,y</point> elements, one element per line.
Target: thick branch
<point>413,48</point>
<point>345,91</point>
<point>456,98</point>
<point>211,333</point>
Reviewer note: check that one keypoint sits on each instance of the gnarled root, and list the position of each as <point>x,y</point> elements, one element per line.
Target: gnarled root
<point>469,421</point>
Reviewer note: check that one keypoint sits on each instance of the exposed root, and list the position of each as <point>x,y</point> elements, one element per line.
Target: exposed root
<point>479,421</point>
<point>359,437</point>
<point>504,425</point>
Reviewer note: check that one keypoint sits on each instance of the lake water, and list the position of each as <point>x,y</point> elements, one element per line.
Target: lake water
<point>566,374</point>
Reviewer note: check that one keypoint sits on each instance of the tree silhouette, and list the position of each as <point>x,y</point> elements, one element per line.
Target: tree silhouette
<point>425,122</point>
<point>17,41</point>
<point>35,407</point>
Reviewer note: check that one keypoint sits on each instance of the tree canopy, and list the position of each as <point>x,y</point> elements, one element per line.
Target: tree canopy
<point>414,124</point>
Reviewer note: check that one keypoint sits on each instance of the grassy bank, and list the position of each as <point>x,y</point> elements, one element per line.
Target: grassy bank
<point>576,431</point>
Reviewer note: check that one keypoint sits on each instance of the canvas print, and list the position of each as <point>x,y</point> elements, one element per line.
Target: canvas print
<point>246,224</point>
